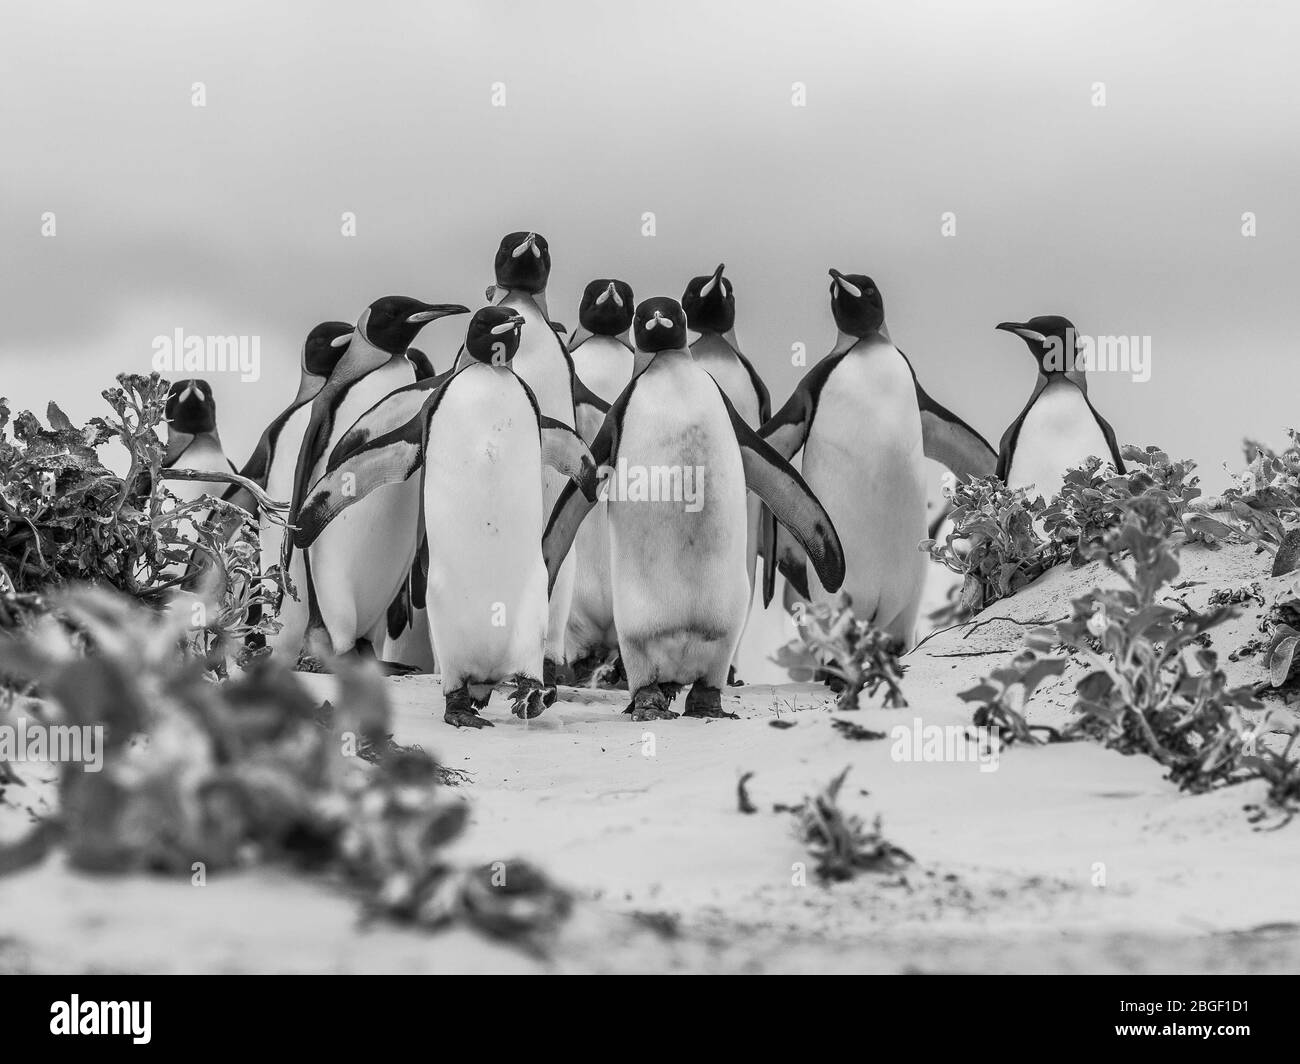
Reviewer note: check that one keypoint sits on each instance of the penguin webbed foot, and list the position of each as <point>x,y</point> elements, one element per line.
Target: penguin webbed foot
<point>530,696</point>
<point>732,679</point>
<point>651,703</point>
<point>462,710</point>
<point>705,701</point>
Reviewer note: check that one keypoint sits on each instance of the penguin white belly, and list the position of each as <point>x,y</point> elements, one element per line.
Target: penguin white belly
<point>543,365</point>
<point>604,365</point>
<point>483,509</point>
<point>864,460</point>
<point>1058,433</point>
<point>715,355</point>
<point>204,453</point>
<point>680,588</point>
<point>360,561</point>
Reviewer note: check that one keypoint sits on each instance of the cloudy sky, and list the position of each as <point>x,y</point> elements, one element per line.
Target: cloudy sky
<point>226,219</point>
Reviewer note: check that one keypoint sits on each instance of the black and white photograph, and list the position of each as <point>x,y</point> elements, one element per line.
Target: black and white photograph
<point>650,488</point>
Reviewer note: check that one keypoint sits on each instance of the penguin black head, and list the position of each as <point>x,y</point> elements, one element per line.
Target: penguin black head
<point>324,346</point>
<point>607,307</point>
<point>710,303</point>
<point>392,323</point>
<point>421,363</point>
<point>523,263</point>
<point>493,335</point>
<point>856,303</point>
<point>190,407</point>
<point>659,325</point>
<point>1051,339</point>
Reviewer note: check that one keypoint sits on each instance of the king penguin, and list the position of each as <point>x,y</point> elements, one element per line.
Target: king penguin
<point>866,425</point>
<point>478,442</point>
<point>710,305</point>
<point>603,362</point>
<point>1059,427</point>
<point>338,604</point>
<point>678,459</point>
<point>192,439</point>
<point>522,270</point>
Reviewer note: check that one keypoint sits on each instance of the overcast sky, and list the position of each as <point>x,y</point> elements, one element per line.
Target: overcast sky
<point>225,219</point>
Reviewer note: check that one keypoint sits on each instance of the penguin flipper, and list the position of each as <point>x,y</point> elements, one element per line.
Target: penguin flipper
<point>566,452</point>
<point>574,503</point>
<point>389,459</point>
<point>399,612</point>
<point>1109,433</point>
<point>584,396</point>
<point>948,439</point>
<point>790,501</point>
<point>1007,445</point>
<point>420,575</point>
<point>760,389</point>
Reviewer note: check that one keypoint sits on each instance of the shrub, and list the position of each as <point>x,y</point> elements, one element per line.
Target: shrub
<point>855,655</point>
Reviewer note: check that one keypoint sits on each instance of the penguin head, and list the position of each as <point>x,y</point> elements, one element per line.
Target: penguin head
<point>710,303</point>
<point>607,307</point>
<point>523,263</point>
<point>856,303</point>
<point>392,323</point>
<point>324,346</point>
<point>493,335</point>
<point>659,325</point>
<point>190,407</point>
<point>1051,340</point>
<point>421,363</point>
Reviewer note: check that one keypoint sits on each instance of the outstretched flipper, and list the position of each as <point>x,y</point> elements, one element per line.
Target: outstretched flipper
<point>789,500</point>
<point>786,432</point>
<point>949,440</point>
<point>565,452</point>
<point>388,459</point>
<point>575,502</point>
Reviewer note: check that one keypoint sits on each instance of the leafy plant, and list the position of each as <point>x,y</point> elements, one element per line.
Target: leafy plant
<point>1142,693</point>
<point>855,655</point>
<point>65,518</point>
<point>840,843</point>
<point>994,543</point>
<point>198,773</point>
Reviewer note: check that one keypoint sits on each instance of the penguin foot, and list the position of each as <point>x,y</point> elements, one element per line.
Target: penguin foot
<point>461,711</point>
<point>550,672</point>
<point>530,697</point>
<point>650,703</point>
<point>582,672</point>
<point>732,679</point>
<point>705,701</point>
<point>671,690</point>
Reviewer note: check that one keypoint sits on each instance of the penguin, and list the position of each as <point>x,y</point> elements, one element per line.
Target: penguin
<point>478,441</point>
<point>193,442</point>
<point>678,459</point>
<point>866,425</point>
<point>603,362</point>
<point>1059,427</point>
<point>272,463</point>
<point>522,271</point>
<point>339,606</point>
<point>710,305</point>
<point>192,439</point>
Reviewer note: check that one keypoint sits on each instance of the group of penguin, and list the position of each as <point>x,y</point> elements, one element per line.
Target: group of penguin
<point>464,518</point>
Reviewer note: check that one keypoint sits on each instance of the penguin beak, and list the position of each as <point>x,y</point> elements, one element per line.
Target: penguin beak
<point>529,243</point>
<point>612,293</point>
<point>1022,330</point>
<point>509,325</point>
<point>433,311</point>
<point>845,285</point>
